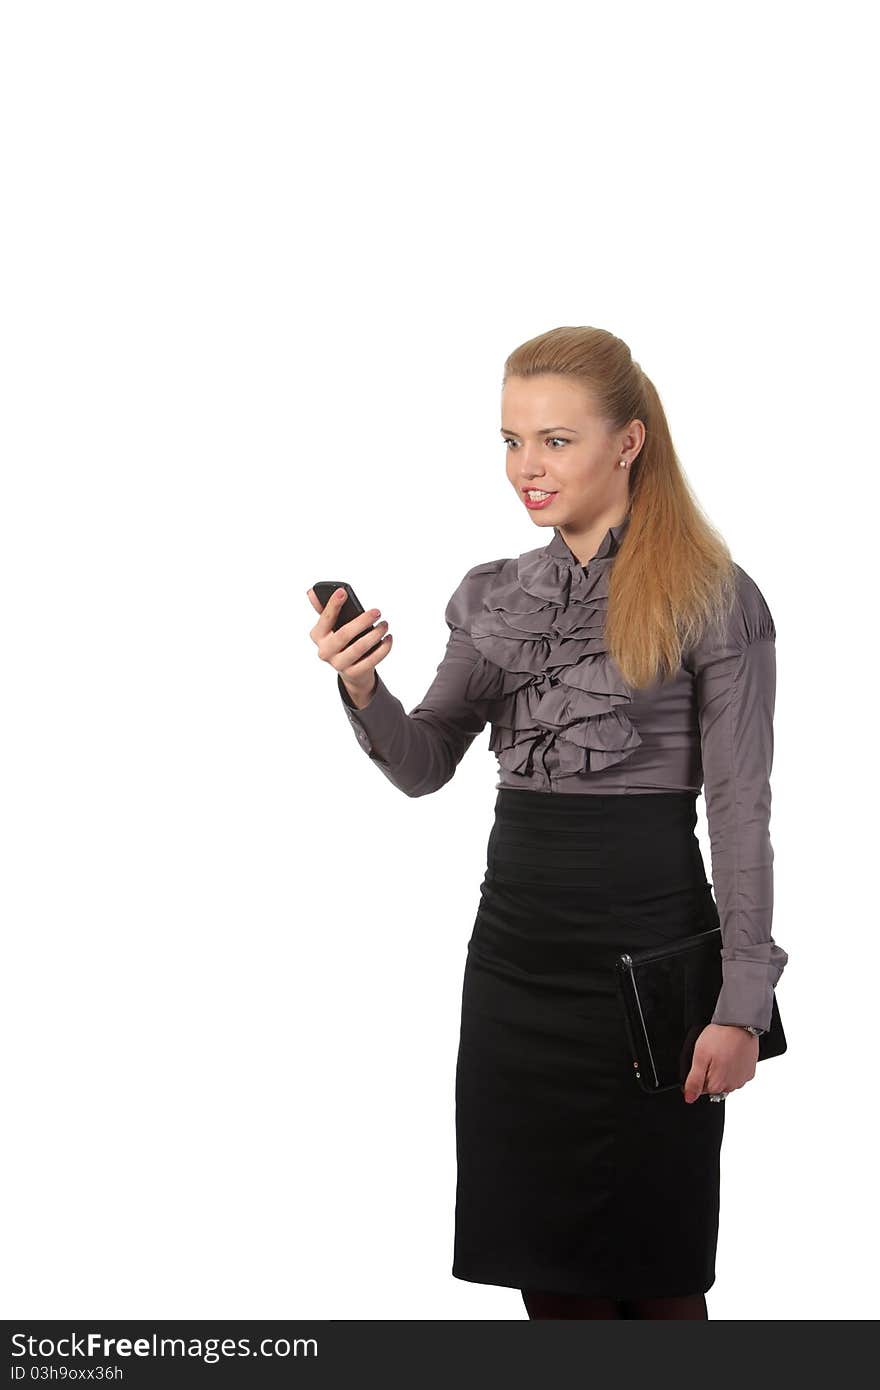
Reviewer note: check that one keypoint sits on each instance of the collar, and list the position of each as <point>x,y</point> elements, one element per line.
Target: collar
<point>611,541</point>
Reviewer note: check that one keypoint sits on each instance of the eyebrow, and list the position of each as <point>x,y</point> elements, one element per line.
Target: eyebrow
<point>554,429</point>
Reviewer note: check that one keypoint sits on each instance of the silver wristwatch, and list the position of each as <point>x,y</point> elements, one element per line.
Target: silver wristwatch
<point>758,1032</point>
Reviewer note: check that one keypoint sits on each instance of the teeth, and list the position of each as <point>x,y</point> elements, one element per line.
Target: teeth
<point>536,496</point>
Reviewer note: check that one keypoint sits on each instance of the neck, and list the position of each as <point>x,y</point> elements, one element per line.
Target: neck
<point>584,541</point>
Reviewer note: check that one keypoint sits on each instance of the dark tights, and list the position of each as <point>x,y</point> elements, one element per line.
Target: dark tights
<point>568,1305</point>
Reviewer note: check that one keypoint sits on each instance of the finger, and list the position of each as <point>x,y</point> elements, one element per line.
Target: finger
<point>329,613</point>
<point>357,651</point>
<point>717,1077</point>
<point>716,1083</point>
<point>358,626</point>
<point>366,664</point>
<point>696,1080</point>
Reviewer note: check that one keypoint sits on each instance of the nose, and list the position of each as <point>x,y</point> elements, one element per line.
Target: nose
<point>530,461</point>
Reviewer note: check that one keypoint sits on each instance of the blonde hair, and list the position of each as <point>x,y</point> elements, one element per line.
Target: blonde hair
<point>673,577</point>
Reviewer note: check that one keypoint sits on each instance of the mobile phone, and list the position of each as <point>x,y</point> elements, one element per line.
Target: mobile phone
<point>351,608</point>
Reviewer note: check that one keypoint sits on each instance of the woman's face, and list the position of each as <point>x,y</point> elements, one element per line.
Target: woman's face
<point>555,442</point>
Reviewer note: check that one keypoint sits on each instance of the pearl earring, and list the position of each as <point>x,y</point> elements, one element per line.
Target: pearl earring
<point>623,463</point>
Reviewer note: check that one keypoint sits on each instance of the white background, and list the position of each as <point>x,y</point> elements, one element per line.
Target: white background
<point>262,264</point>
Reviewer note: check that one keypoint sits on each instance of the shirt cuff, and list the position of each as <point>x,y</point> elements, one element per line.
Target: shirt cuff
<point>377,721</point>
<point>746,995</point>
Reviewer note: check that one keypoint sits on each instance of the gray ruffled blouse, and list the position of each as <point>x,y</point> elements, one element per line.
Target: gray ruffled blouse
<point>526,654</point>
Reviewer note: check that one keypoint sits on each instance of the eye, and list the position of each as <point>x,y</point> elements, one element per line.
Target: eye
<point>554,439</point>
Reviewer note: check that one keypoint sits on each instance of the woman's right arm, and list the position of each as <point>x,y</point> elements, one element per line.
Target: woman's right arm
<point>419,751</point>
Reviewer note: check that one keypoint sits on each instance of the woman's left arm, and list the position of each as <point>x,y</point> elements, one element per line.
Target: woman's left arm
<point>736,697</point>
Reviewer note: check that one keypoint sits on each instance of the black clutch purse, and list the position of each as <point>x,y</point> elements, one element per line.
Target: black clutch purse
<point>668,994</point>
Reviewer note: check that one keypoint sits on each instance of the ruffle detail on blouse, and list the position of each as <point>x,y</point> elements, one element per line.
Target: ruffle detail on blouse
<point>556,700</point>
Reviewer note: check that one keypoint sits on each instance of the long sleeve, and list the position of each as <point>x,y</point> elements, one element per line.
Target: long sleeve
<point>418,752</point>
<point>736,696</point>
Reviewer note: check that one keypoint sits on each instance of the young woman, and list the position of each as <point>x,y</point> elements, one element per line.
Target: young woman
<point>623,666</point>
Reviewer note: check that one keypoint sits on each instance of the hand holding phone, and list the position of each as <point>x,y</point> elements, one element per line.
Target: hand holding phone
<point>345,639</point>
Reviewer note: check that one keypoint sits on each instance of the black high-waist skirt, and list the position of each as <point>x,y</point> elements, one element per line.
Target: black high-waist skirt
<point>571,1178</point>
